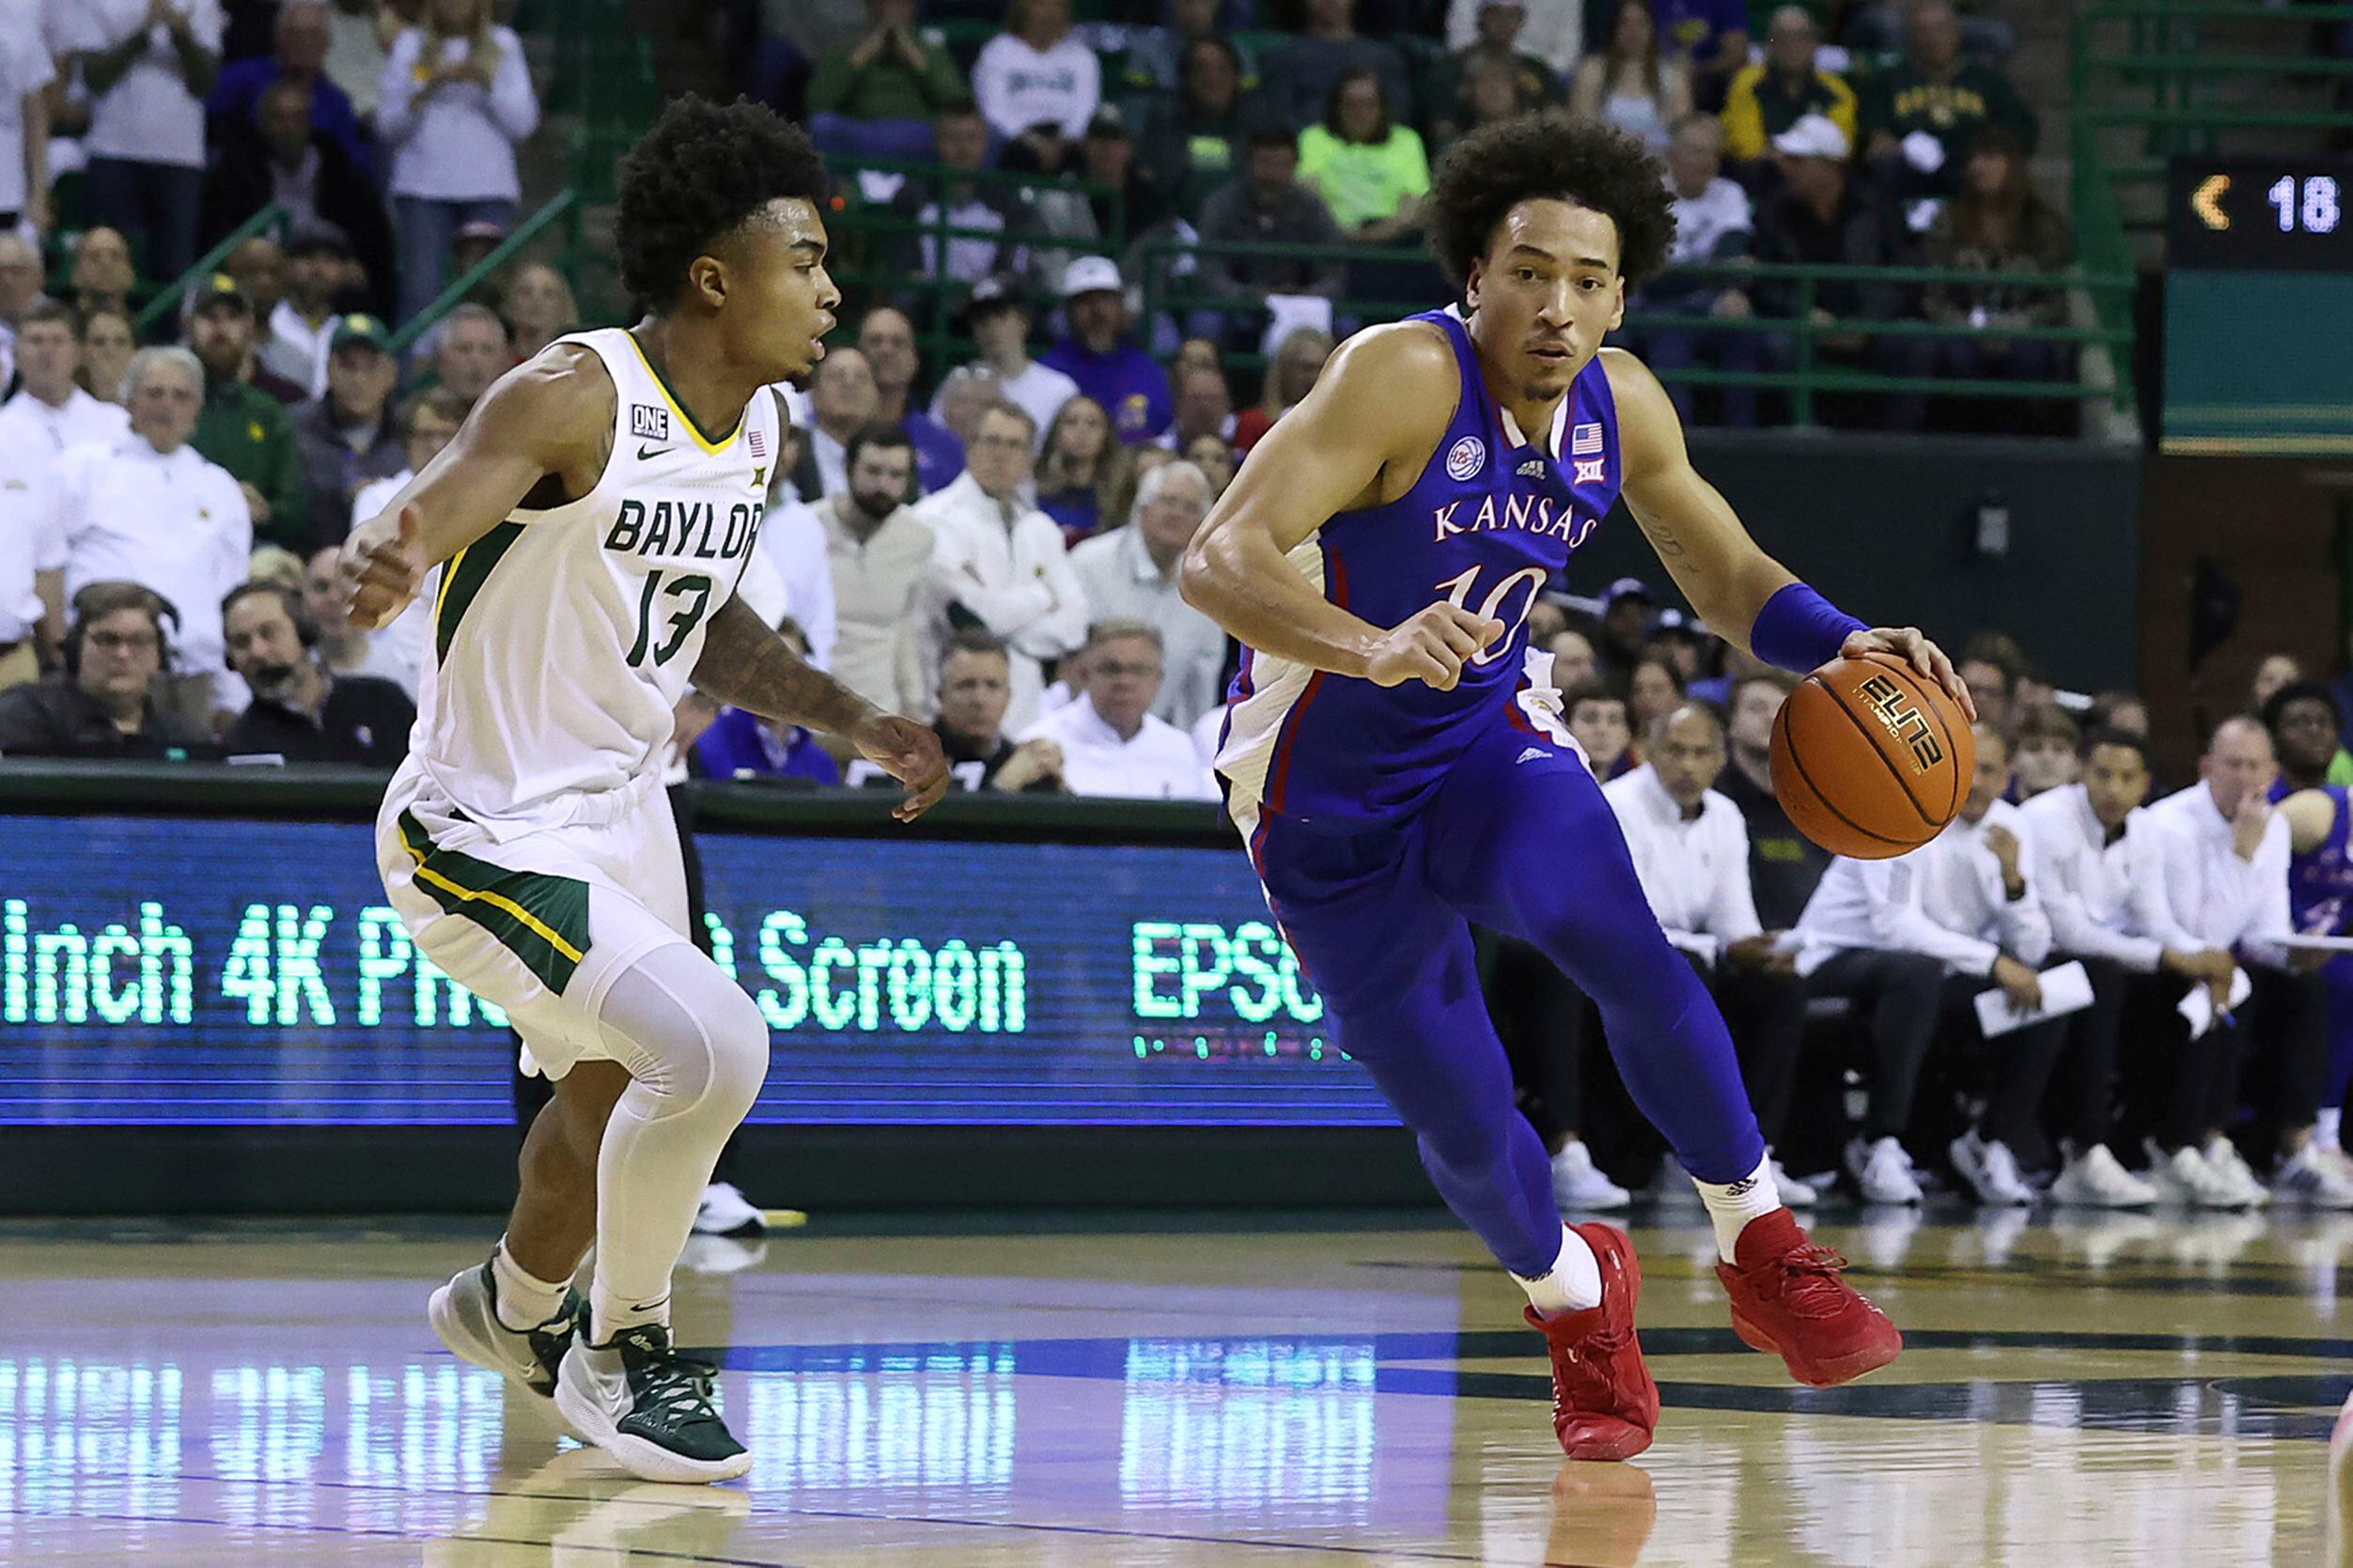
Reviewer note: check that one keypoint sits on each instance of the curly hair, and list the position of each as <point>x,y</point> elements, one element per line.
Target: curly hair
<point>702,170</point>
<point>1549,154</point>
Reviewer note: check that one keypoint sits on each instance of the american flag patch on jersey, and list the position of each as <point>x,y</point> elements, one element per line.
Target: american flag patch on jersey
<point>1584,441</point>
<point>759,445</point>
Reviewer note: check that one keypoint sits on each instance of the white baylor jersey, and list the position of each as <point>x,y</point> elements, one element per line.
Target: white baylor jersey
<point>563,638</point>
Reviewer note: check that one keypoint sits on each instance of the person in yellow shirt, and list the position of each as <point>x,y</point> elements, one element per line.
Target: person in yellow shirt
<point>1766,99</point>
<point>1372,172</point>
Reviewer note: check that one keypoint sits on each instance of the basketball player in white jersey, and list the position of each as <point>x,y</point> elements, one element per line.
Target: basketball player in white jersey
<point>589,524</point>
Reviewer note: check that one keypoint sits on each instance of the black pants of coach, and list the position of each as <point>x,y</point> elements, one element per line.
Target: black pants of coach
<point>2274,1055</point>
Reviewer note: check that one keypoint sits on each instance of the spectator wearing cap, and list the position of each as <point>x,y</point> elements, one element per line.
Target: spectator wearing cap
<point>1117,190</point>
<point>1268,206</point>
<point>1821,217</point>
<point>102,703</point>
<point>1129,383</point>
<point>1038,72</point>
<point>347,434</point>
<point>50,411</point>
<point>305,321</point>
<point>1713,226</point>
<point>1920,116</point>
<point>297,58</point>
<point>301,711</point>
<point>457,102</point>
<point>1300,79</point>
<point>146,66</point>
<point>1552,31</point>
<point>1112,743</point>
<point>26,72</point>
<point>150,509</point>
<point>960,146</point>
<point>875,95</point>
<point>998,318</point>
<point>1767,98</point>
<point>1131,574</point>
<point>280,156</point>
<point>475,239</point>
<point>244,428</point>
<point>473,351</point>
<point>887,338</point>
<point>1529,82</point>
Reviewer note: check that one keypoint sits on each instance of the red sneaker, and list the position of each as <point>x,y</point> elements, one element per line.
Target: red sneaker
<point>1604,1405</point>
<point>1788,1300</point>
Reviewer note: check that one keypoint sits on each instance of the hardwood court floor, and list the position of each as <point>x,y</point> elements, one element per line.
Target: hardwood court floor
<point>2077,1392</point>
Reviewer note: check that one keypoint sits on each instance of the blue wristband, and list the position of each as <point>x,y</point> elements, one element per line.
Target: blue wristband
<point>1799,629</point>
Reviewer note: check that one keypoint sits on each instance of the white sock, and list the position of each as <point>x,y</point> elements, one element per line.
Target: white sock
<point>1572,1284</point>
<point>524,1299</point>
<point>1731,1206</point>
<point>2325,1130</point>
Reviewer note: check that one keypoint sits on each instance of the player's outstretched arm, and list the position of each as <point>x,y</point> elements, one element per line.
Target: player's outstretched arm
<point>1373,419</point>
<point>554,415</point>
<point>746,663</point>
<point>1721,569</point>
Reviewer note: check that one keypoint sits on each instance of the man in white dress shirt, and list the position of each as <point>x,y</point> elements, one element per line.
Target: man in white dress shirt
<point>51,411</point>
<point>1131,574</point>
<point>2098,867</point>
<point>2225,857</point>
<point>1110,744</point>
<point>1000,562</point>
<point>146,508</point>
<point>32,560</point>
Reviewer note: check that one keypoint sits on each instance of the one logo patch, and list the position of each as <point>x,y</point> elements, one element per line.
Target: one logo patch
<point>648,423</point>
<point>1466,457</point>
<point>1588,470</point>
<point>1584,441</point>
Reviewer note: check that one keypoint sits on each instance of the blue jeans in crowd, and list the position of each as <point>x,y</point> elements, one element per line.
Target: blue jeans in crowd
<point>1670,348</point>
<point>155,205</point>
<point>427,228</point>
<point>841,137</point>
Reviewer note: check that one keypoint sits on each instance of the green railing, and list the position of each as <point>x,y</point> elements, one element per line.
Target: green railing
<point>481,271</point>
<point>1807,377</point>
<point>167,298</point>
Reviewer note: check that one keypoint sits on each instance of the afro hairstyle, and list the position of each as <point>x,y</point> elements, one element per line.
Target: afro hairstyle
<point>699,173</point>
<point>1547,154</point>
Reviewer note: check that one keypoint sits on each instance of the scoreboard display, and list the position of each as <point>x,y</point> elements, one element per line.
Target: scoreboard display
<point>2259,307</point>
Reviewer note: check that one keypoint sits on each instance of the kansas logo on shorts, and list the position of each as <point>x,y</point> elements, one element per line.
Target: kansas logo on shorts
<point>1906,723</point>
<point>648,423</point>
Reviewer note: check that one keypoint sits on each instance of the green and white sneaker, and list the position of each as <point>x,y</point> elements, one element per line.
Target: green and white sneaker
<point>464,1314</point>
<point>650,1407</point>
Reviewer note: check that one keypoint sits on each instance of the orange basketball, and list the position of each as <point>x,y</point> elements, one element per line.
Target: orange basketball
<point>1869,760</point>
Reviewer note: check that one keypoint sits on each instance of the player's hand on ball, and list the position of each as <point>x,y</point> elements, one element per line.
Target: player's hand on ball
<point>908,752</point>
<point>1905,642</point>
<point>381,568</point>
<point>1432,647</point>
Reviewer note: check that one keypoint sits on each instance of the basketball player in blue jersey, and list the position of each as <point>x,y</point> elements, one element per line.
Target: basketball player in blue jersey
<point>1395,760</point>
<point>2304,722</point>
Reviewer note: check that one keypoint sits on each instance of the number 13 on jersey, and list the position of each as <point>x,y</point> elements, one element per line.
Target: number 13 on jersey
<point>684,598</point>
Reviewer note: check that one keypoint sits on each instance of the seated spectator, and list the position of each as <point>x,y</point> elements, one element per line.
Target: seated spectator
<point>1000,563</point>
<point>887,338</point>
<point>875,95</point>
<point>1038,72</point>
<point>739,744</point>
<point>1130,574</point>
<point>149,509</point>
<point>258,265</point>
<point>962,393</point>
<point>1770,96</point>
<point>1112,743</point>
<point>300,711</point>
<point>538,308</point>
<point>1821,217</point>
<point>1991,677</point>
<point>1654,687</point>
<point>2225,856</point>
<point>1516,82</point>
<point>1268,207</point>
<point>50,411</point>
<point>457,102</point>
<point>1597,716</point>
<point>1632,84</point>
<point>1083,475</point>
<point>1785,865</point>
<point>880,554</point>
<point>960,146</point>
<point>345,649</point>
<point>2303,719</point>
<point>347,437</point>
<point>1291,375</point>
<point>146,71</point>
<point>19,287</point>
<point>298,61</point>
<point>842,402</point>
<point>1920,116</point>
<point>1205,407</point>
<point>244,428</point>
<point>2122,711</point>
<point>1994,225</point>
<point>109,343</point>
<point>1573,662</point>
<point>1154,59</point>
<point>1711,39</point>
<point>27,72</point>
<point>101,276</point>
<point>1213,455</point>
<point>102,703</point>
<point>1127,382</point>
<point>1552,31</point>
<point>297,333</point>
<point>975,683</point>
<point>32,557</point>
<point>1300,79</point>
<point>2044,745</point>
<point>1193,141</point>
<point>998,318</point>
<point>280,158</point>
<point>472,351</point>
<point>1712,227</point>
<point>1371,171</point>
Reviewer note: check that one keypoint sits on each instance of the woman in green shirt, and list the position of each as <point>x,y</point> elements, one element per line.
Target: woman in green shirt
<point>1371,171</point>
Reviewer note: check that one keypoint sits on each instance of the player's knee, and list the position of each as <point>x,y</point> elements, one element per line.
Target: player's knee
<point>738,1053</point>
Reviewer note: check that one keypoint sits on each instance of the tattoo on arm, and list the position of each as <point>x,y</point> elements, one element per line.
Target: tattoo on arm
<point>746,665</point>
<point>1663,539</point>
